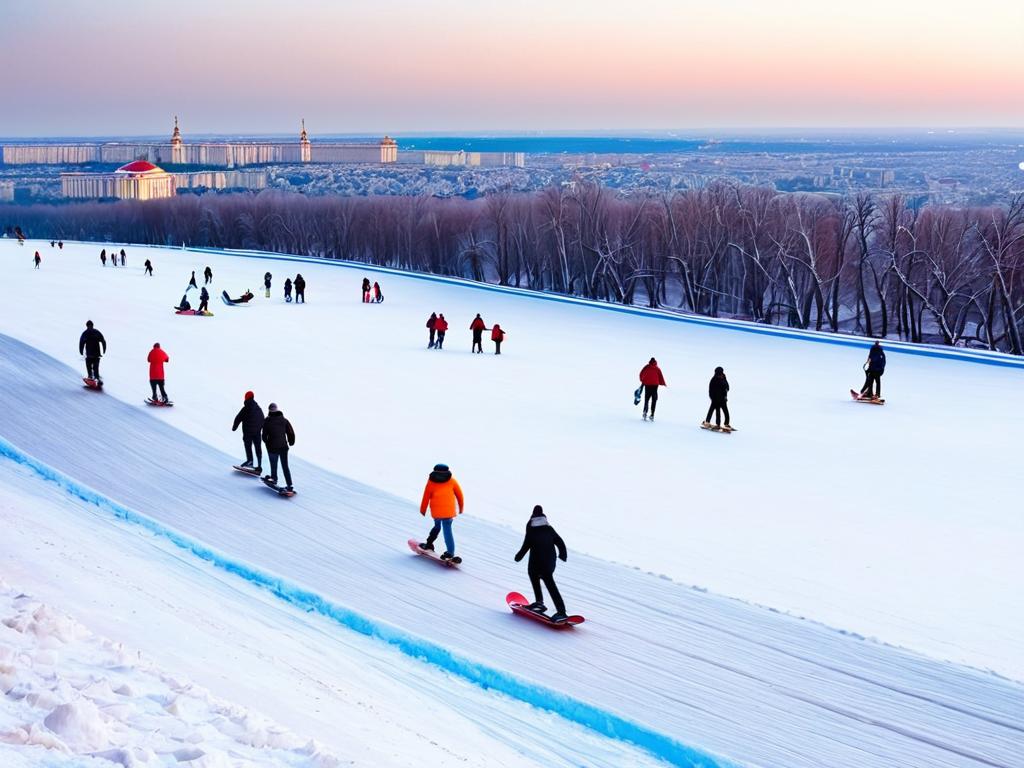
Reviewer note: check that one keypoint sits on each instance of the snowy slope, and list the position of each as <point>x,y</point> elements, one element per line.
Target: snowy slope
<point>686,668</point>
<point>895,522</point>
<point>215,635</point>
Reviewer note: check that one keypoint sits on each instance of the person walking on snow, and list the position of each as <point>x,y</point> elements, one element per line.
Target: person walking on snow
<point>266,283</point>
<point>92,344</point>
<point>542,541</point>
<point>651,378</point>
<point>432,327</point>
<point>157,358</point>
<point>300,289</point>
<point>874,368</point>
<point>278,436</point>
<point>207,276</point>
<point>442,494</point>
<point>718,391</point>
<point>204,299</point>
<point>441,326</point>
<point>148,268</point>
<point>123,257</point>
<point>366,290</point>
<point>377,295</point>
<point>113,258</point>
<point>192,281</point>
<point>251,419</point>
<point>478,326</point>
<point>103,257</point>
<point>288,289</point>
<point>497,336</point>
<point>37,259</point>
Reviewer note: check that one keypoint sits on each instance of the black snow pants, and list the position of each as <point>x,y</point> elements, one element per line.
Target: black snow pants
<point>872,381</point>
<point>650,397</point>
<point>283,456</point>
<point>478,341</point>
<point>497,346</point>
<point>536,577</point>
<point>432,342</point>
<point>718,407</point>
<point>154,383</point>
<point>253,442</point>
<point>92,367</point>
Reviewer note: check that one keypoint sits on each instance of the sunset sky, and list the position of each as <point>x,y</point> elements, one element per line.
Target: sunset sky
<point>71,67</point>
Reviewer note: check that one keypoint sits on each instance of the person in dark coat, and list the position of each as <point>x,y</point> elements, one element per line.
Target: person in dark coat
<point>718,391</point>
<point>207,276</point>
<point>37,259</point>
<point>366,290</point>
<point>204,299</point>
<point>542,541</point>
<point>192,280</point>
<point>478,326</point>
<point>92,344</point>
<point>288,289</point>
<point>278,436</point>
<point>149,268</point>
<point>266,283</point>
<point>300,289</point>
<point>184,305</point>
<point>251,420</point>
<point>103,257</point>
<point>123,257</point>
<point>874,369</point>
<point>432,327</point>
<point>651,378</point>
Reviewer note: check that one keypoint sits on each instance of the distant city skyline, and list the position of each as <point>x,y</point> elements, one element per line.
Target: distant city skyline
<point>72,68</point>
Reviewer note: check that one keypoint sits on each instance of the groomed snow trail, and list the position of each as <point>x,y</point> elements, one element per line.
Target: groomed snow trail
<point>748,684</point>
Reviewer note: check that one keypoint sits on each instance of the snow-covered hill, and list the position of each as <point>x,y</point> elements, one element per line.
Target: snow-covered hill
<point>863,518</point>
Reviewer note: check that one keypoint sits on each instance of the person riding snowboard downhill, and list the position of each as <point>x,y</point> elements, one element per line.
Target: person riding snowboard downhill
<point>651,378</point>
<point>542,541</point>
<point>250,419</point>
<point>442,494</point>
<point>718,391</point>
<point>89,344</point>
<point>279,437</point>
<point>157,358</point>
<point>874,368</point>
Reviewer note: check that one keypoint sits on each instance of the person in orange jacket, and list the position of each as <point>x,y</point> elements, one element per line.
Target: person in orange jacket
<point>651,378</point>
<point>157,358</point>
<point>441,494</point>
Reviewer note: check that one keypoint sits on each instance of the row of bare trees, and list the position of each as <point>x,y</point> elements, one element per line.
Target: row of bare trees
<point>864,264</point>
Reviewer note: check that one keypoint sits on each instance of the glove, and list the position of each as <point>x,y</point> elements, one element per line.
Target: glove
<point>518,557</point>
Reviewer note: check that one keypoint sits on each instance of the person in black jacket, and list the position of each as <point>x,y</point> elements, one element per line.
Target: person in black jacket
<point>251,420</point>
<point>278,436</point>
<point>541,541</point>
<point>148,268</point>
<point>718,391</point>
<point>874,368</point>
<point>204,299</point>
<point>90,343</point>
<point>266,283</point>
<point>300,289</point>
<point>192,281</point>
<point>207,276</point>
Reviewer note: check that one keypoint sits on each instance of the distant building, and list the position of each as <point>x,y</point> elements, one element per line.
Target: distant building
<point>447,158</point>
<point>6,191</point>
<point>137,180</point>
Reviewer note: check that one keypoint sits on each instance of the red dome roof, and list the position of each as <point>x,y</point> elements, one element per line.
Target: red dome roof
<point>138,166</point>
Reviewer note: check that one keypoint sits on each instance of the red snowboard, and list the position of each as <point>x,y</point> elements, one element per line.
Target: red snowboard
<point>93,384</point>
<point>861,399</point>
<point>415,547</point>
<point>518,605</point>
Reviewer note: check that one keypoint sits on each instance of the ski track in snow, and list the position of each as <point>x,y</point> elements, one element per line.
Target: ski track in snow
<point>755,686</point>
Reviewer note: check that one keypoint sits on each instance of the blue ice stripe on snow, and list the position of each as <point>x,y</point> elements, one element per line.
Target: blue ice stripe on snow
<point>983,357</point>
<point>601,721</point>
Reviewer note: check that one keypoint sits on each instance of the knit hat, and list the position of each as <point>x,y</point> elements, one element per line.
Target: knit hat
<point>249,395</point>
<point>441,468</point>
<point>538,511</point>
<point>272,407</point>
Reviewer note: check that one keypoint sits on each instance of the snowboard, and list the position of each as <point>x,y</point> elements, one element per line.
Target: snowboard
<point>95,384</point>
<point>518,605</point>
<point>861,399</point>
<point>246,470</point>
<point>713,428</point>
<point>415,547</point>
<point>158,403</point>
<point>637,394</point>
<point>192,312</point>
<point>280,490</point>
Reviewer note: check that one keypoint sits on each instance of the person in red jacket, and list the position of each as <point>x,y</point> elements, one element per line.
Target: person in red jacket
<point>440,325</point>
<point>497,336</point>
<point>478,326</point>
<point>157,358</point>
<point>651,378</point>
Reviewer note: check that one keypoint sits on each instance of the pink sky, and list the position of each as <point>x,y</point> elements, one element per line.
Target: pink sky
<point>123,67</point>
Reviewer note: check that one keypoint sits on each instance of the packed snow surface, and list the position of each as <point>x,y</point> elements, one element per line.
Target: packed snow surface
<point>860,517</point>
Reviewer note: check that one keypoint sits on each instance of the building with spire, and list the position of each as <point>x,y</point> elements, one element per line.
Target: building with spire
<point>177,146</point>
<point>305,151</point>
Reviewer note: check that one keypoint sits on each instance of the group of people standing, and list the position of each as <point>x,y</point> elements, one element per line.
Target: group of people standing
<point>437,326</point>
<point>113,258</point>
<point>371,294</point>
<point>651,378</point>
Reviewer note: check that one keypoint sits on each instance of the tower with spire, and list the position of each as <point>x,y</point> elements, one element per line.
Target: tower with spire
<point>305,150</point>
<point>177,147</point>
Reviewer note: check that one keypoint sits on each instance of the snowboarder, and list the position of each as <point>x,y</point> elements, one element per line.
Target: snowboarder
<point>874,368</point>
<point>92,344</point>
<point>204,299</point>
<point>148,268</point>
<point>123,257</point>
<point>192,281</point>
<point>432,327</point>
<point>718,391</point>
<point>651,378</point>
<point>183,305</point>
<point>157,358</point>
<point>497,336</point>
<point>207,276</point>
<point>542,541</point>
<point>366,290</point>
<point>377,295</point>
<point>103,257</point>
<point>442,494</point>
<point>441,326</point>
<point>278,435</point>
<point>478,326</point>
<point>251,419</point>
<point>266,283</point>
<point>288,289</point>
<point>300,289</point>
<point>37,259</point>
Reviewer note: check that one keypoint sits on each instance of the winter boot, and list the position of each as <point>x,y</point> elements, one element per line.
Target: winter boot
<point>538,607</point>
<point>644,417</point>
<point>446,556</point>
<point>559,617</point>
